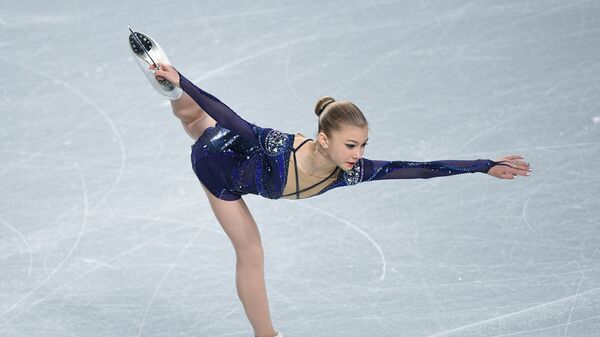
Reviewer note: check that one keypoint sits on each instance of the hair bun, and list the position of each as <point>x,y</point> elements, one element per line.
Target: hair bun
<point>322,104</point>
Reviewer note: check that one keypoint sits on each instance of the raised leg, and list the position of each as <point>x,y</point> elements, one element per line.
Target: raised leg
<point>194,119</point>
<point>240,227</point>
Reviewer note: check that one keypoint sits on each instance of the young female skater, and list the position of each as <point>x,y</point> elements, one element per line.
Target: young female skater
<point>232,157</point>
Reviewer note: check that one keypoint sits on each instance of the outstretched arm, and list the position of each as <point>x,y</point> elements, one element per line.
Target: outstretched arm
<point>506,168</point>
<point>216,109</point>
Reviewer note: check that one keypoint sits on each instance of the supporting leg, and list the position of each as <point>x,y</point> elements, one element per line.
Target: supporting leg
<point>240,227</point>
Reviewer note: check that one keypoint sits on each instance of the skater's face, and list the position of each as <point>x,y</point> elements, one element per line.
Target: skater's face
<point>347,145</point>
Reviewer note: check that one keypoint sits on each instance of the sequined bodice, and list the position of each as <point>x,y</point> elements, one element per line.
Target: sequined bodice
<point>253,170</point>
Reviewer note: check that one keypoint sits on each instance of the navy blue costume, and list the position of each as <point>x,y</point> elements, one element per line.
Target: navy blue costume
<point>236,157</point>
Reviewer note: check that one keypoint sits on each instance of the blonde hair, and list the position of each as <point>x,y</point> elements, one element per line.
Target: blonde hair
<point>333,115</point>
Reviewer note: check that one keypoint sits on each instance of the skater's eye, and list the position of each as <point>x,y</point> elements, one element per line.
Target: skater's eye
<point>351,146</point>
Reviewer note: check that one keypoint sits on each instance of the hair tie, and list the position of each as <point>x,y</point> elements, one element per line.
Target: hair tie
<point>324,106</point>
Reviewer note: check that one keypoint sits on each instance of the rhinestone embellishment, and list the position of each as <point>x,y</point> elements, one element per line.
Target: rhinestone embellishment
<point>275,142</point>
<point>355,175</point>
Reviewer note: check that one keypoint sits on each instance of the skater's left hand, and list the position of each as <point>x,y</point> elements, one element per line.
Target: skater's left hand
<point>510,167</point>
<point>166,72</point>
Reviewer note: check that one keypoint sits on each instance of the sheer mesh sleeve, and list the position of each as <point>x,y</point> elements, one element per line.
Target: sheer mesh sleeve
<point>380,169</point>
<point>220,112</point>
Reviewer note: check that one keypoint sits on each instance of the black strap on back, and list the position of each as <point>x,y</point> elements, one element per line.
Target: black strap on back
<point>296,171</point>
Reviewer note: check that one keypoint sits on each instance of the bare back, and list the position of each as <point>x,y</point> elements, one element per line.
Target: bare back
<point>313,185</point>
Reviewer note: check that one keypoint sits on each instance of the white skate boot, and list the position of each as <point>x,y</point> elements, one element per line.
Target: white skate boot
<point>153,52</point>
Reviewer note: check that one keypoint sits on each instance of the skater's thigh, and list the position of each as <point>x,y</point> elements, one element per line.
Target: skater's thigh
<point>235,218</point>
<point>194,119</point>
<point>197,127</point>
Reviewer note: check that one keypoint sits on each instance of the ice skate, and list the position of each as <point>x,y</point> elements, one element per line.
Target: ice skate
<point>144,55</point>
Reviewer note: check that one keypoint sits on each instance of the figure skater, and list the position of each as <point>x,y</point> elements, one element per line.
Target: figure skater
<point>232,157</point>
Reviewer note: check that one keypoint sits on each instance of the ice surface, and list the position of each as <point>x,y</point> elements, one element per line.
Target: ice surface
<point>105,231</point>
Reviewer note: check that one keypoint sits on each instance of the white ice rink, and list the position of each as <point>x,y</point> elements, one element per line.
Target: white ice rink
<point>105,230</point>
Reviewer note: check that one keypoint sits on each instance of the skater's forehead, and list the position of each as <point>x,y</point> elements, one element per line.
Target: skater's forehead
<point>353,134</point>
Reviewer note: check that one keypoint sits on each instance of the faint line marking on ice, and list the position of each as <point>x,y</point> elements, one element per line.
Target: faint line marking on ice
<point>349,224</point>
<point>497,318</point>
<point>542,14</point>
<point>431,297</point>
<point>286,71</point>
<point>526,205</point>
<point>162,281</point>
<point>194,19</point>
<point>32,154</point>
<point>86,260</point>
<point>559,146</point>
<point>310,21</point>
<point>313,37</point>
<point>478,135</point>
<point>24,241</point>
<point>62,262</point>
<point>373,64</point>
<point>549,327</point>
<point>241,60</point>
<point>186,223</point>
<point>298,312</point>
<point>577,291</point>
<point>220,319</point>
<point>96,107</point>
<point>90,271</point>
<point>540,147</point>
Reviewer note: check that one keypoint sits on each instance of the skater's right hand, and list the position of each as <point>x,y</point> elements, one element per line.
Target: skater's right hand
<point>166,72</point>
<point>510,167</point>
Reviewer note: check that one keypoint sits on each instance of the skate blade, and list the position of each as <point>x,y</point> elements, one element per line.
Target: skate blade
<point>150,47</point>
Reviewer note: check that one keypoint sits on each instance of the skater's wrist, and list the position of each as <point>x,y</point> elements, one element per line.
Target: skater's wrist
<point>181,81</point>
<point>179,78</point>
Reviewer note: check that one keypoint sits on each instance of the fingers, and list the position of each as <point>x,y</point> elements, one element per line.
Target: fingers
<point>521,163</point>
<point>511,170</point>
<point>165,68</point>
<point>512,173</point>
<point>507,173</point>
<point>159,73</point>
<point>517,171</point>
<point>521,167</point>
<point>507,176</point>
<point>513,165</point>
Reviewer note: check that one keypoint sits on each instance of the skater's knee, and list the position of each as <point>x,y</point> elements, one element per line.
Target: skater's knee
<point>197,127</point>
<point>188,115</point>
<point>250,254</point>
